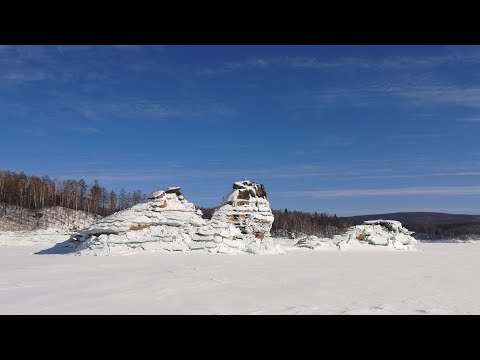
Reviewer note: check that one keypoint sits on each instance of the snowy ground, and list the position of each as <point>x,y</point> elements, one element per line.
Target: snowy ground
<point>54,219</point>
<point>441,278</point>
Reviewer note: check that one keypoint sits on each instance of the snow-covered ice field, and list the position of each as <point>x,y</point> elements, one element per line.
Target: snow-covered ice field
<point>440,278</point>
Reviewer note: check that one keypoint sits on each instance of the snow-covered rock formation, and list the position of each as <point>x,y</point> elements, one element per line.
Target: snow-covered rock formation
<point>241,224</point>
<point>166,222</point>
<point>389,234</point>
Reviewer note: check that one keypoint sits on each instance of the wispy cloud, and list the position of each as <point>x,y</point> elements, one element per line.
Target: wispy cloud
<point>26,76</point>
<point>34,131</point>
<point>333,141</point>
<point>87,130</point>
<point>138,47</point>
<point>416,136</point>
<point>470,120</point>
<point>449,95</point>
<point>324,142</point>
<point>71,48</point>
<point>347,63</point>
<point>131,107</point>
<point>406,191</point>
<point>402,94</point>
<point>388,63</point>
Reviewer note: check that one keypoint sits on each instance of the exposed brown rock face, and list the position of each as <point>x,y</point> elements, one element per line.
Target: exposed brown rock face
<point>139,227</point>
<point>361,236</point>
<point>174,190</point>
<point>244,195</point>
<point>260,236</point>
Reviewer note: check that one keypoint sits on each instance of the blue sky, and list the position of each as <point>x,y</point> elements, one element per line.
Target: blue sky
<point>341,129</point>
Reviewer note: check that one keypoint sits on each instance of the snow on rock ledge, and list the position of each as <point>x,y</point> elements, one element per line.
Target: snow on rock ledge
<point>387,234</point>
<point>241,224</point>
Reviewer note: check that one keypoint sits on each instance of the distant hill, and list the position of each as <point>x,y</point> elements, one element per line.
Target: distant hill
<point>431,225</point>
<point>419,217</point>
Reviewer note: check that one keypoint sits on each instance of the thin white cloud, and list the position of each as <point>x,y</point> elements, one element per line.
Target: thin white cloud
<point>469,120</point>
<point>70,48</point>
<point>449,95</point>
<point>406,94</point>
<point>34,131</point>
<point>26,76</point>
<point>138,47</point>
<point>252,63</point>
<point>333,141</point>
<point>157,109</point>
<point>417,136</point>
<point>87,130</point>
<point>348,63</point>
<point>249,64</point>
<point>407,191</point>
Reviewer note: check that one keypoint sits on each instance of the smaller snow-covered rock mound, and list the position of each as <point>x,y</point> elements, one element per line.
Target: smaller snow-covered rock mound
<point>241,224</point>
<point>383,234</point>
<point>387,233</point>
<point>165,222</point>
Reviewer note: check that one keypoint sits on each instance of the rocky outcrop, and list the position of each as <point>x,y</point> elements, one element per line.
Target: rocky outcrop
<point>166,221</point>
<point>388,234</point>
<point>248,209</point>
<point>383,233</point>
<point>241,224</point>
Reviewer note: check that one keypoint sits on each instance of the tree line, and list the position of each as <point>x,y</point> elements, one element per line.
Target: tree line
<point>438,230</point>
<point>298,223</point>
<point>36,193</point>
